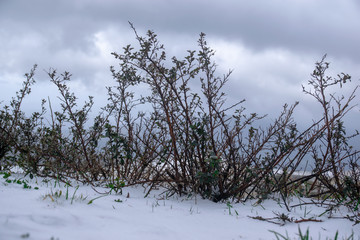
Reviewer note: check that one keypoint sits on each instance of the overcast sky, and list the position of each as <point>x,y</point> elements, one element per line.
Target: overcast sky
<point>271,45</point>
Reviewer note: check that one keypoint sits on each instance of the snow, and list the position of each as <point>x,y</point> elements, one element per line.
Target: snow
<point>45,214</point>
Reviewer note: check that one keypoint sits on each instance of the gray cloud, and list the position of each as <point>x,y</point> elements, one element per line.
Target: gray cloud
<point>310,26</point>
<point>299,24</point>
<point>271,45</point>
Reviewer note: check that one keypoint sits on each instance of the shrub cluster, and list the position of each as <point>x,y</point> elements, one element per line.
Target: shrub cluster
<point>190,142</point>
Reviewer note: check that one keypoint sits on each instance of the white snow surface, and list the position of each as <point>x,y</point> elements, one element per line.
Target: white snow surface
<point>33,214</point>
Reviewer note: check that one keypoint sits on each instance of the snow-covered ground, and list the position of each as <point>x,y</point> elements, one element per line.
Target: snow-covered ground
<point>60,212</point>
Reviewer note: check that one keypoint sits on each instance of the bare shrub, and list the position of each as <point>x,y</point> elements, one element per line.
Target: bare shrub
<point>189,142</point>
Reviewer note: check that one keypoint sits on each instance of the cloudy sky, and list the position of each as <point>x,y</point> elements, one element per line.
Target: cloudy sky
<point>271,45</point>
